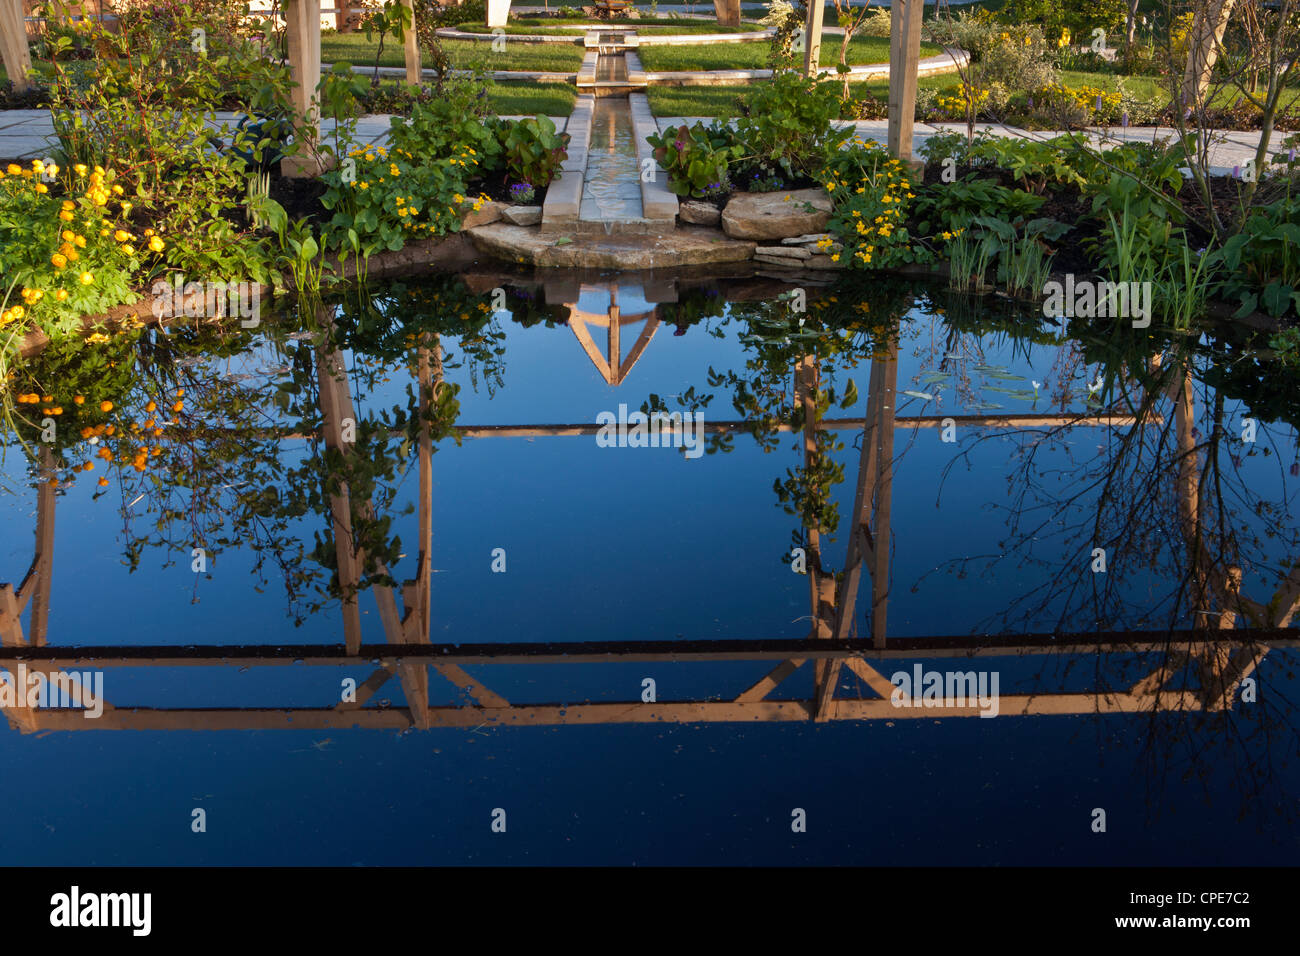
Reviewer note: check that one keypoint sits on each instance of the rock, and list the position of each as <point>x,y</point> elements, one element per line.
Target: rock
<point>522,215</point>
<point>776,215</point>
<point>487,213</point>
<point>809,240</point>
<point>699,213</point>
<point>684,246</point>
<point>783,252</point>
<point>825,262</point>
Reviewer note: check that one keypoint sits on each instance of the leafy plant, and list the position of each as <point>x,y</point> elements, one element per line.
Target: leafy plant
<point>870,192</point>
<point>532,150</point>
<point>694,158</point>
<point>790,124</point>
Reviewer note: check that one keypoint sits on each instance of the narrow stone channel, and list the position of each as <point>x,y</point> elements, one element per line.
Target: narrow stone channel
<point>611,187</point>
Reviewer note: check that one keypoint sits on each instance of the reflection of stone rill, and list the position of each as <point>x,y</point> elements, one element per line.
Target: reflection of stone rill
<point>1221,659</point>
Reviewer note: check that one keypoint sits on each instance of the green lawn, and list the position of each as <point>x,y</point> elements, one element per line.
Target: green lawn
<point>532,99</point>
<point>465,54</point>
<point>753,56</point>
<point>663,25</point>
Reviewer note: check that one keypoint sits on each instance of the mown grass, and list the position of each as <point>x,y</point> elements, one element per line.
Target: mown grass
<point>532,99</point>
<point>354,48</point>
<point>662,25</point>
<point>753,56</point>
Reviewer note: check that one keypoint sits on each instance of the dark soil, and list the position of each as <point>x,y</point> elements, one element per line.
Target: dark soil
<point>299,197</point>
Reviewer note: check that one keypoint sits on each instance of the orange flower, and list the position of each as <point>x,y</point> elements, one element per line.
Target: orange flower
<point>105,406</point>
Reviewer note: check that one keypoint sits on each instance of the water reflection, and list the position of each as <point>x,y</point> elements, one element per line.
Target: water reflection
<point>294,446</point>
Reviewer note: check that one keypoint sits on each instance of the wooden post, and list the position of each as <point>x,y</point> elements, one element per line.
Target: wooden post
<point>813,36</point>
<point>498,12</point>
<point>302,26</point>
<point>904,56</point>
<point>728,12</point>
<point>13,44</point>
<point>412,48</point>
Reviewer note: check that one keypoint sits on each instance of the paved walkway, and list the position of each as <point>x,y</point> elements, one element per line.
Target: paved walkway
<point>28,134</point>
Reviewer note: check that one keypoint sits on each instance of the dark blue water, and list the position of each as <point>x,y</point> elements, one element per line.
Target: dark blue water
<point>991,534</point>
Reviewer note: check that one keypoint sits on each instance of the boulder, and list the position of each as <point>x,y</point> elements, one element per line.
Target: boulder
<point>776,215</point>
<point>699,213</point>
<point>783,252</point>
<point>522,215</point>
<point>487,213</point>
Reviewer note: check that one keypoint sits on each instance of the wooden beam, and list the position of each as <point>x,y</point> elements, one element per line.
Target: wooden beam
<point>904,60</point>
<point>330,379</point>
<point>769,682</point>
<point>368,689</point>
<point>11,624</point>
<point>622,712</point>
<point>727,12</point>
<point>813,37</point>
<point>13,45</point>
<point>411,48</point>
<point>302,30</point>
<point>601,652</point>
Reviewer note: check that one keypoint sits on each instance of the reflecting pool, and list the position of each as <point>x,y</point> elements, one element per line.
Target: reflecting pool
<point>647,568</point>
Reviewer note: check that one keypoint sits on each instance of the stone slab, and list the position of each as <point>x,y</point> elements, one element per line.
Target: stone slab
<point>684,246</point>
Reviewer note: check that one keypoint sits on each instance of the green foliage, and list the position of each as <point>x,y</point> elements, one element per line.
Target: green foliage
<point>532,150</point>
<point>1263,261</point>
<point>1033,163</point>
<point>454,122</point>
<point>380,199</point>
<point>789,123</point>
<point>871,194</point>
<point>147,111</point>
<point>67,255</point>
<point>953,206</point>
<point>696,158</point>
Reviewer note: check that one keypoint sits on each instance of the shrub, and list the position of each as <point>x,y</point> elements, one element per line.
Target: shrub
<point>697,158</point>
<point>788,124</point>
<point>395,196</point>
<point>871,193</point>
<point>146,110</point>
<point>532,150</point>
<point>66,257</point>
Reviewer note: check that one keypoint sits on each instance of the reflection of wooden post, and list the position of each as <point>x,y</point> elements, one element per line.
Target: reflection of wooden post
<point>904,59</point>
<point>884,497</point>
<point>412,48</point>
<point>331,379</point>
<point>13,44</point>
<point>43,566</point>
<point>812,29</point>
<point>36,584</point>
<point>302,28</point>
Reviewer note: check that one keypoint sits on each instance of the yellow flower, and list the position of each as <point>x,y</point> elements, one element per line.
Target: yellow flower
<point>129,249</point>
<point>156,244</point>
<point>79,169</point>
<point>42,188</point>
<point>87,278</point>
<point>59,260</point>
<point>61,294</point>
